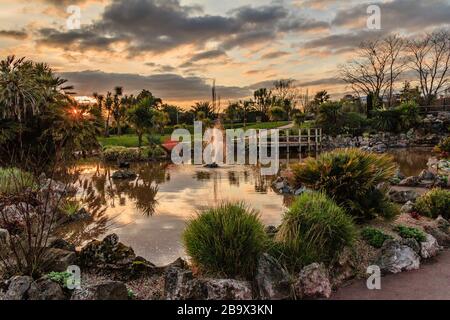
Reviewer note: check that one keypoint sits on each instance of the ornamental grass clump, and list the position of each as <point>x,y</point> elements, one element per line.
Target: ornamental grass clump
<point>13,180</point>
<point>434,203</point>
<point>354,179</point>
<point>314,229</point>
<point>226,240</point>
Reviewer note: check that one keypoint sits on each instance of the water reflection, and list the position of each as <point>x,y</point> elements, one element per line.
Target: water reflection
<point>150,212</point>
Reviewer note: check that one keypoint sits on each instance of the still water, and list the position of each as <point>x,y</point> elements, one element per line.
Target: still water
<point>151,212</point>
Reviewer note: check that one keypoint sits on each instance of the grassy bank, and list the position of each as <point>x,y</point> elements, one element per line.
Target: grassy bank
<point>131,140</point>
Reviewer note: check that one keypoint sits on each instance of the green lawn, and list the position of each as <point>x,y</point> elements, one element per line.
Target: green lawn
<point>131,140</point>
<point>126,140</point>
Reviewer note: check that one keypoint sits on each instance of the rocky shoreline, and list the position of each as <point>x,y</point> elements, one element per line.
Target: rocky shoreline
<point>112,271</point>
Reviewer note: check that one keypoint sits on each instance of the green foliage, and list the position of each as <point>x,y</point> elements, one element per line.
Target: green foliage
<point>374,237</point>
<point>13,180</point>
<point>38,121</point>
<point>314,229</point>
<point>226,240</point>
<point>353,123</point>
<point>352,177</point>
<point>410,233</point>
<point>434,203</point>
<point>60,277</point>
<point>399,119</point>
<point>71,207</point>
<point>329,117</point>
<point>131,294</point>
<point>277,113</point>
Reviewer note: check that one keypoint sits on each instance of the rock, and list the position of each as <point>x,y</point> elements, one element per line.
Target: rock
<point>80,215</point>
<point>403,196</point>
<point>107,253</point>
<point>272,280</point>
<point>212,166</point>
<point>4,240</point>
<point>107,290</point>
<point>313,282</point>
<point>407,207</point>
<point>179,263</point>
<point>58,260</point>
<point>62,244</point>
<point>429,248</point>
<point>124,165</point>
<point>46,289</point>
<point>227,289</point>
<point>443,224</point>
<point>427,175</point>
<point>409,182</point>
<point>412,243</point>
<point>442,237</point>
<point>281,185</point>
<point>344,268</point>
<point>271,231</point>
<point>18,288</point>
<point>124,175</point>
<point>397,257</point>
<point>180,284</point>
<point>140,267</point>
<point>56,187</point>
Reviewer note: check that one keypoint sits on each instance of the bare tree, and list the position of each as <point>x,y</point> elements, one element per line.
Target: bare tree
<point>376,69</point>
<point>430,58</point>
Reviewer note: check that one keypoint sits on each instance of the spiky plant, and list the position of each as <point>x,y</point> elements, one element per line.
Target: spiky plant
<point>225,240</point>
<point>314,229</point>
<point>352,177</point>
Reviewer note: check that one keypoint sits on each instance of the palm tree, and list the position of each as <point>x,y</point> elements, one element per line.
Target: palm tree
<point>206,108</point>
<point>117,111</point>
<point>109,102</point>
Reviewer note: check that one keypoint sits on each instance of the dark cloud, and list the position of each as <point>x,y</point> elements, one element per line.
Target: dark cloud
<point>338,43</point>
<point>161,25</point>
<point>411,15</point>
<point>14,34</point>
<point>275,55</point>
<point>207,55</point>
<point>167,86</point>
<point>396,16</point>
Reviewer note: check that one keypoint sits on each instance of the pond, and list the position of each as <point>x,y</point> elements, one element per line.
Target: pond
<point>150,213</point>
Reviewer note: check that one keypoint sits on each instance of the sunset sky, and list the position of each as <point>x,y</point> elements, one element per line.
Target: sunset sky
<point>175,48</point>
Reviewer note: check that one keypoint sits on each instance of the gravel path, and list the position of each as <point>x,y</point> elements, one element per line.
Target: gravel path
<point>430,282</point>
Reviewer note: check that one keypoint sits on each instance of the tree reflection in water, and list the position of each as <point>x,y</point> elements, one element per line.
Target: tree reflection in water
<point>98,192</point>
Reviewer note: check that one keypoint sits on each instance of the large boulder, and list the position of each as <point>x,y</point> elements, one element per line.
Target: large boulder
<point>107,290</point>
<point>430,247</point>
<point>18,288</point>
<point>408,207</point>
<point>427,175</point>
<point>180,284</point>
<point>107,253</point>
<point>442,237</point>
<point>46,289</point>
<point>403,196</point>
<point>313,282</point>
<point>272,280</point>
<point>397,257</point>
<point>58,260</point>
<point>227,289</point>
<point>409,182</point>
